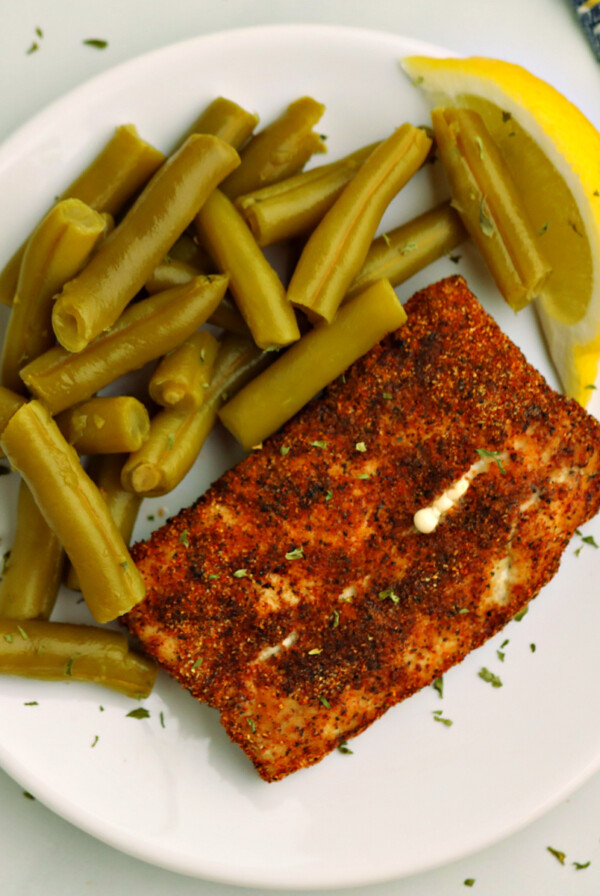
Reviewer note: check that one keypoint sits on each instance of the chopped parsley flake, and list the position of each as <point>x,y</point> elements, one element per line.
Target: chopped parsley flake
<point>150,517</point>
<point>504,643</point>
<point>319,443</point>
<point>469,882</point>
<point>345,749</point>
<point>124,564</point>
<point>34,46</point>
<point>387,395</point>
<point>183,538</point>
<point>31,703</point>
<point>240,573</point>
<point>364,476</point>
<point>532,648</point>
<point>418,80</point>
<point>69,664</point>
<point>579,866</point>
<point>408,248</point>
<point>438,685</point>
<point>140,713</point>
<point>95,741</point>
<point>8,638</point>
<point>285,449</point>
<point>386,239</point>
<point>251,724</point>
<point>336,619</point>
<point>383,595</point>
<point>463,610</point>
<point>437,717</point>
<point>214,575</point>
<point>544,228</point>
<point>198,663</point>
<point>506,116</point>
<point>501,655</point>
<point>23,633</point>
<point>494,455</point>
<point>162,719</point>
<point>315,651</point>
<point>488,676</point>
<point>296,554</point>
<point>328,495</point>
<point>518,616</point>
<point>27,795</point>
<point>589,539</point>
<point>560,856</point>
<point>360,446</point>
<point>96,42</point>
<point>590,386</point>
<point>325,702</point>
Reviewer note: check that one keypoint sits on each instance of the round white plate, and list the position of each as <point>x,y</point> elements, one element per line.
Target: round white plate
<point>171,789</point>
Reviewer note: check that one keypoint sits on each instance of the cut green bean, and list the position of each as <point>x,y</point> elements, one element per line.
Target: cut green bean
<point>60,651</point>
<point>116,174</point>
<point>293,207</point>
<point>256,288</point>
<point>112,425</point>
<point>182,378</point>
<point>402,252</point>
<point>105,471</point>
<point>279,150</point>
<point>57,250</point>
<point>186,249</point>
<point>73,508</point>
<point>225,119</point>
<point>487,199</point>
<point>10,402</point>
<point>337,248</point>
<point>92,301</point>
<point>145,331</point>
<point>270,400</point>
<point>176,437</point>
<point>32,574</point>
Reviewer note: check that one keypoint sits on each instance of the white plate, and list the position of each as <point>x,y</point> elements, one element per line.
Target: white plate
<point>414,794</point>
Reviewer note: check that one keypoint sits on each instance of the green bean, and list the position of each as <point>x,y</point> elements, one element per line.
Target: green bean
<point>59,651</point>
<point>342,238</point>
<point>402,252</point>
<point>337,248</point>
<point>294,206</point>
<point>256,288</point>
<point>57,250</point>
<point>183,376</point>
<point>112,425</point>
<point>10,402</point>
<point>31,577</point>
<point>73,508</point>
<point>279,150</point>
<point>225,119</point>
<point>169,273</point>
<point>186,249</point>
<point>175,273</point>
<point>487,199</point>
<point>324,353</point>
<point>145,331</point>
<point>105,471</point>
<point>92,301</point>
<point>116,174</point>
<point>176,437</point>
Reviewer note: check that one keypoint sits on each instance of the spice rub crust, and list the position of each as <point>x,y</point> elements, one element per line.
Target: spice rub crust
<point>296,595</point>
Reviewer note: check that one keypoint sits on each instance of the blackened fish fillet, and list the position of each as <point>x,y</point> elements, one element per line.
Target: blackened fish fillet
<point>297,597</point>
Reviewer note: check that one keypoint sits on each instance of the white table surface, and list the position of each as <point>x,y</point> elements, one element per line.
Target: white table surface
<point>39,852</point>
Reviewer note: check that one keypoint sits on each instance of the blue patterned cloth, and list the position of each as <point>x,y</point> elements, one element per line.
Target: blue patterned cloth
<point>588,14</point>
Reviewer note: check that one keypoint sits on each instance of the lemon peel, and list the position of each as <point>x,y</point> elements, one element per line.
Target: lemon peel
<point>553,153</point>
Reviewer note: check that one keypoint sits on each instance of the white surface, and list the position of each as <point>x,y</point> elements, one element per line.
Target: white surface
<point>502,29</point>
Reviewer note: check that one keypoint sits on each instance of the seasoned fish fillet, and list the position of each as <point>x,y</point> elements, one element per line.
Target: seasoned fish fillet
<point>297,597</point>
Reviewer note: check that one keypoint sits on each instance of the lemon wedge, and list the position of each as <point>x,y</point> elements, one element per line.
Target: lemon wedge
<point>553,153</point>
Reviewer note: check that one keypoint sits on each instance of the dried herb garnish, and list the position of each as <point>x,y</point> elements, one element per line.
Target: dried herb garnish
<point>493,455</point>
<point>485,221</point>
<point>140,713</point>
<point>345,749</point>
<point>579,866</point>
<point>518,616</point>
<point>488,676</point>
<point>325,702</point>
<point>296,554</point>
<point>383,595</point>
<point>438,685</point>
<point>319,443</point>
<point>240,573</point>
<point>437,717</point>
<point>95,741</point>
<point>183,538</point>
<point>360,446</point>
<point>96,42</point>
<point>560,856</point>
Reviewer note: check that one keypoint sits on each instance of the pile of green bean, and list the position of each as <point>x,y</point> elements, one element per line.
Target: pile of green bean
<point>139,253</point>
